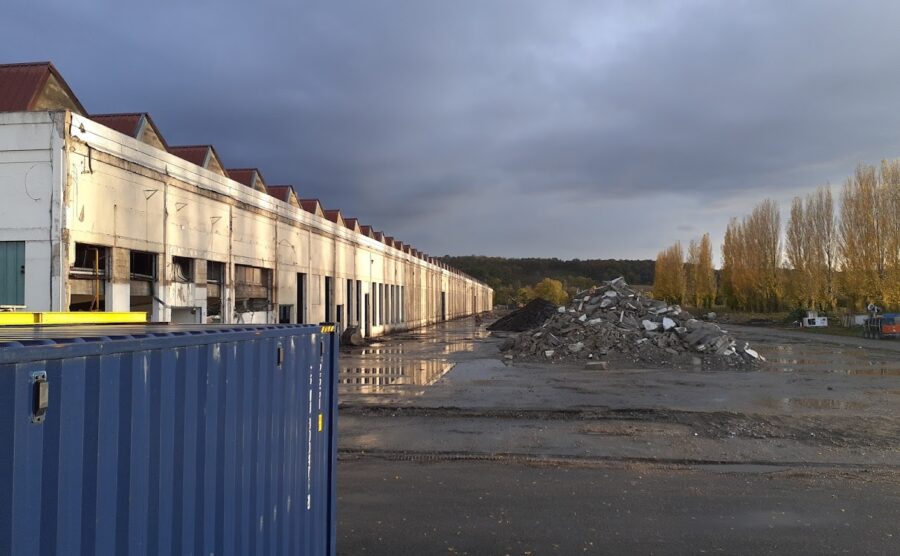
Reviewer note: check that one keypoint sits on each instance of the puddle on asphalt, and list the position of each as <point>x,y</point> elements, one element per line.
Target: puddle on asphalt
<point>406,362</point>
<point>362,378</point>
<point>825,360</point>
<point>873,372</point>
<point>742,468</point>
<point>815,403</point>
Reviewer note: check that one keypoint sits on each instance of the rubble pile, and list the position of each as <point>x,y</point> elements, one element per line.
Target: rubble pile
<point>616,322</point>
<point>535,313</point>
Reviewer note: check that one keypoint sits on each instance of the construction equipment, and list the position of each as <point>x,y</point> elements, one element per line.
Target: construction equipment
<point>881,325</point>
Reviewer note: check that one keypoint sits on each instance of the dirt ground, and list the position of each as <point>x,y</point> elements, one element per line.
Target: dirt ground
<point>446,449</point>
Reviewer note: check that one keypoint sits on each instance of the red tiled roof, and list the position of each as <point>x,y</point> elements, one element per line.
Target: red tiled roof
<point>123,123</point>
<point>241,175</point>
<point>128,124</point>
<point>366,230</point>
<point>309,205</point>
<point>379,236</point>
<point>389,240</point>
<point>351,223</point>
<point>333,215</point>
<point>195,154</point>
<point>281,192</point>
<point>20,85</point>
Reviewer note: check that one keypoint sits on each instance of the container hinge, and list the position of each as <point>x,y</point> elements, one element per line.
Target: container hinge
<point>41,396</point>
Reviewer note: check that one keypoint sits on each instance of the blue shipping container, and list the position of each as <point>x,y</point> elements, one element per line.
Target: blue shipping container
<point>155,439</point>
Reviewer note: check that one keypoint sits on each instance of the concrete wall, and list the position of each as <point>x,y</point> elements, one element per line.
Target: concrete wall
<point>69,180</point>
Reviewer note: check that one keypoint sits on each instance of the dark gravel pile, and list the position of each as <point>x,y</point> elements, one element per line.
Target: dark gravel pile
<point>532,315</point>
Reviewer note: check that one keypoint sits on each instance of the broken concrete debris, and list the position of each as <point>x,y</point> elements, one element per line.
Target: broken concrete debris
<point>351,336</point>
<point>616,321</point>
<point>533,314</point>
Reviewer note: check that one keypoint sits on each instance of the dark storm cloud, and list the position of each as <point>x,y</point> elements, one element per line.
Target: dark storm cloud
<point>502,127</point>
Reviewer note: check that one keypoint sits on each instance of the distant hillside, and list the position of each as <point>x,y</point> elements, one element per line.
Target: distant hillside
<point>507,275</point>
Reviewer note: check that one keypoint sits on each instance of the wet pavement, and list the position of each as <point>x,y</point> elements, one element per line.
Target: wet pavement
<point>405,363</point>
<point>439,408</point>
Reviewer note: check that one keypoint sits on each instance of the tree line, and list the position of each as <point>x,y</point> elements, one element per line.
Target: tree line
<point>511,278</point>
<point>826,257</point>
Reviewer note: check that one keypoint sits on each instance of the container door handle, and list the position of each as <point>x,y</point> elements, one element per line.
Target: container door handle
<point>41,395</point>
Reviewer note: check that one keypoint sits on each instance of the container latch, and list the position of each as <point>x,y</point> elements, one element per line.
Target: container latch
<point>41,393</point>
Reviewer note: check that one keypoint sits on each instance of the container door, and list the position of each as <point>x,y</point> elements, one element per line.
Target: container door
<point>12,272</point>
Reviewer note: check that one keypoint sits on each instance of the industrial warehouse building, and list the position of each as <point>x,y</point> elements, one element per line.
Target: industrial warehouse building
<point>99,213</point>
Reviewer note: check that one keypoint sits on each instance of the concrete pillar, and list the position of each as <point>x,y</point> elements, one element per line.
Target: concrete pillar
<point>118,289</point>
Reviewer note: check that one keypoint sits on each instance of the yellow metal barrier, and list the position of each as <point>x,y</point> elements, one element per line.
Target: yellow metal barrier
<point>75,317</point>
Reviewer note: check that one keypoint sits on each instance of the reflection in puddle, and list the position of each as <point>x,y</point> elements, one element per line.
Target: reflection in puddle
<point>376,376</point>
<point>785,361</point>
<point>405,362</point>
<point>874,372</point>
<point>813,403</point>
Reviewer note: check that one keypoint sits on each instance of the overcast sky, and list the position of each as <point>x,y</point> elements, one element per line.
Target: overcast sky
<point>516,128</point>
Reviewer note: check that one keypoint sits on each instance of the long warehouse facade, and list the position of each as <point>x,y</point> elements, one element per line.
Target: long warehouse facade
<point>99,213</point>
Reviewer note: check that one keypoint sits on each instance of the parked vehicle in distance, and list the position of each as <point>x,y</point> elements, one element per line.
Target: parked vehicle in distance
<point>880,326</point>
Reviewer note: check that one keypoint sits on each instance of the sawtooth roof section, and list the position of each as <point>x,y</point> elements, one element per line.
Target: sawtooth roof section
<point>352,224</point>
<point>127,124</point>
<point>195,154</point>
<point>379,236</point>
<point>138,125</point>
<point>35,86</point>
<point>312,206</point>
<point>366,230</point>
<point>335,216</point>
<point>284,193</point>
<point>204,156</point>
<point>389,240</point>
<point>251,177</point>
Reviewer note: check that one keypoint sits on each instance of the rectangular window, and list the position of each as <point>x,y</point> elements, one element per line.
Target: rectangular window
<point>143,265</point>
<point>301,297</point>
<point>215,272</point>
<point>143,275</point>
<point>90,261</point>
<point>359,301</point>
<point>349,301</point>
<point>329,299</point>
<point>88,271</point>
<point>252,289</point>
<point>182,269</point>
<point>285,312</point>
<point>215,286</point>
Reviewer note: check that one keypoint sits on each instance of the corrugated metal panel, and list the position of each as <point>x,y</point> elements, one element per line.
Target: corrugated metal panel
<point>20,84</point>
<point>168,440</point>
<point>128,124</point>
<point>193,154</point>
<point>12,274</point>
